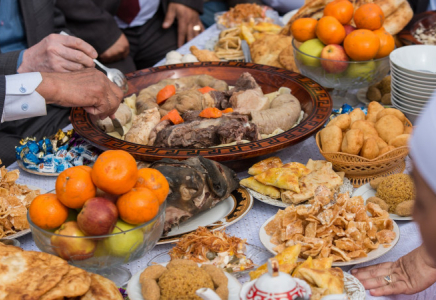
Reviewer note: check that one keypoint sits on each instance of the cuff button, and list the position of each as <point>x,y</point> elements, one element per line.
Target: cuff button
<point>22,89</point>
<point>24,107</point>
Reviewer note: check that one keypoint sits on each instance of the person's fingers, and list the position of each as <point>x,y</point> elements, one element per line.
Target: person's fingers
<point>379,281</point>
<point>169,17</point>
<point>190,34</point>
<point>372,271</point>
<point>394,288</point>
<point>75,56</point>
<point>79,44</point>
<point>182,29</point>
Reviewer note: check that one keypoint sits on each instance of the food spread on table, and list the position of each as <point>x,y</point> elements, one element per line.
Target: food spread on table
<point>15,199</point>
<point>244,13</point>
<point>216,248</point>
<point>341,231</point>
<point>201,111</point>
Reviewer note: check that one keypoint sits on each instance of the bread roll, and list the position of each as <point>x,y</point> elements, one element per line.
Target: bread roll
<point>352,142</point>
<point>373,109</point>
<point>388,127</point>
<point>342,121</point>
<point>367,128</point>
<point>370,148</point>
<point>386,150</point>
<point>331,139</point>
<point>391,111</point>
<point>357,114</point>
<point>400,140</point>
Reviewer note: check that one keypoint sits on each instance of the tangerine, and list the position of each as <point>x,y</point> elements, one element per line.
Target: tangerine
<point>387,42</point>
<point>330,31</point>
<point>47,212</point>
<point>138,206</point>
<point>304,29</point>
<point>155,181</point>
<point>86,168</point>
<point>74,186</point>
<point>115,172</point>
<point>342,10</point>
<point>369,16</point>
<point>362,44</point>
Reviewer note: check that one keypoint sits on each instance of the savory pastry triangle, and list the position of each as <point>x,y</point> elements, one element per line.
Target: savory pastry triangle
<point>280,177</point>
<point>299,168</point>
<point>263,165</point>
<point>255,185</point>
<point>322,263</point>
<point>329,279</point>
<point>306,264</point>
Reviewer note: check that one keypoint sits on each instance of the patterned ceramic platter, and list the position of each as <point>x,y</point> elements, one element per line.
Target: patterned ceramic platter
<point>425,20</point>
<point>314,99</point>
<point>353,288</point>
<point>225,213</point>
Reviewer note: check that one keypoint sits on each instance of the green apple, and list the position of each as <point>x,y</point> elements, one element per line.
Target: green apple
<point>124,244</point>
<point>311,47</point>
<point>361,70</point>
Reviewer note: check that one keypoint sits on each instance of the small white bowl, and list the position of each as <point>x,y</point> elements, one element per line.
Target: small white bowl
<point>412,89</point>
<point>423,88</point>
<point>416,59</point>
<point>413,76</point>
<point>404,107</point>
<point>412,96</point>
<point>409,100</point>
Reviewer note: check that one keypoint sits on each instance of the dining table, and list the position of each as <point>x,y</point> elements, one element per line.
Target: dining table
<point>248,227</point>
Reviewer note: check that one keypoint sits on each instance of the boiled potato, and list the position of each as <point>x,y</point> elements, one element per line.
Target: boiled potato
<point>373,109</point>
<point>352,142</point>
<point>342,121</point>
<point>391,111</point>
<point>370,148</point>
<point>331,139</point>
<point>400,140</point>
<point>357,114</point>
<point>388,127</point>
<point>386,150</point>
<point>367,128</point>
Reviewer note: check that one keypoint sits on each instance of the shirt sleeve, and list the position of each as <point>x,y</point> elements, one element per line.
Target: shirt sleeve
<point>22,100</point>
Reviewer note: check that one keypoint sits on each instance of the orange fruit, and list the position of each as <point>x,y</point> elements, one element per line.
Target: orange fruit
<point>47,212</point>
<point>138,206</point>
<point>342,10</point>
<point>155,181</point>
<point>387,42</point>
<point>74,186</point>
<point>362,44</point>
<point>330,31</point>
<point>115,172</point>
<point>369,16</point>
<point>86,168</point>
<point>304,29</point>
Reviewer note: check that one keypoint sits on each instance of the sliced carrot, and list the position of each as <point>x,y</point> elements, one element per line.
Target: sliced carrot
<point>174,116</point>
<point>211,113</point>
<point>228,110</point>
<point>164,118</point>
<point>206,89</point>
<point>165,93</point>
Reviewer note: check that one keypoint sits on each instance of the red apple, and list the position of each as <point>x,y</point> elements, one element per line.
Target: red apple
<point>98,216</point>
<point>349,29</point>
<point>72,246</point>
<point>335,59</point>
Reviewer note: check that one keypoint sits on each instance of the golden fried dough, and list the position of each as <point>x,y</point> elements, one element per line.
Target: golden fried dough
<point>352,142</point>
<point>405,209</point>
<point>102,289</point>
<point>366,127</point>
<point>263,165</point>
<point>152,272</point>
<point>259,187</point>
<point>204,55</point>
<point>357,114</point>
<point>373,109</point>
<point>375,182</point>
<point>380,202</point>
<point>342,121</point>
<point>370,148</point>
<point>331,139</point>
<point>380,142</point>
<point>388,127</point>
<point>391,111</point>
<point>386,150</point>
<point>74,283</point>
<point>400,140</point>
<point>150,289</point>
<point>286,58</point>
<point>408,129</point>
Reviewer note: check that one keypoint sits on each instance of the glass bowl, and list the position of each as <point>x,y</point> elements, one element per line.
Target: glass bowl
<point>357,75</point>
<point>106,252</point>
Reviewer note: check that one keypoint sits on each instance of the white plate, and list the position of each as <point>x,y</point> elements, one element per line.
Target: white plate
<point>25,231</point>
<point>396,103</point>
<point>366,191</point>
<point>134,287</point>
<point>353,287</point>
<point>416,59</point>
<point>361,96</point>
<point>225,213</point>
<point>286,17</point>
<point>265,240</point>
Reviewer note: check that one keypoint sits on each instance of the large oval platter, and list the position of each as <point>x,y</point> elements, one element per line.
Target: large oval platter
<point>425,20</point>
<point>225,213</point>
<point>314,99</point>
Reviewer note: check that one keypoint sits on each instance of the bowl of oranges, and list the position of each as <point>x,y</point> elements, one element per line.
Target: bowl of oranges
<point>345,49</point>
<point>101,217</point>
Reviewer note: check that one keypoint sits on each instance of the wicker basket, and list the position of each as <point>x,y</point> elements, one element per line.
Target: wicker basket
<point>361,170</point>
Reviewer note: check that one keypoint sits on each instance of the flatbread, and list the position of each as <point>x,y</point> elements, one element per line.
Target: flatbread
<point>395,22</point>
<point>102,289</point>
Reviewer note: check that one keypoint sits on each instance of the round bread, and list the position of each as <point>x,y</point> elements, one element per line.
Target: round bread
<point>373,109</point>
<point>352,142</point>
<point>367,128</point>
<point>391,111</point>
<point>380,143</point>
<point>342,121</point>
<point>386,150</point>
<point>331,139</point>
<point>370,148</point>
<point>400,140</point>
<point>357,114</point>
<point>388,127</point>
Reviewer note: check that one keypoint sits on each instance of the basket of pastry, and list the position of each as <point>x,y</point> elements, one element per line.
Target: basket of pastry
<point>369,146</point>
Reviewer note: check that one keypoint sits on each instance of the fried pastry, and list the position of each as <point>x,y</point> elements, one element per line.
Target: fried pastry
<point>352,142</point>
<point>259,187</point>
<point>391,111</point>
<point>327,279</point>
<point>331,139</point>
<point>400,140</point>
<point>367,128</point>
<point>282,178</point>
<point>373,109</point>
<point>203,55</point>
<point>388,127</point>
<point>370,148</point>
<point>263,165</point>
<point>357,114</point>
<point>342,121</point>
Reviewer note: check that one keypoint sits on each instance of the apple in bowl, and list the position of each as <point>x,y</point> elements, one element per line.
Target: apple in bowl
<point>334,59</point>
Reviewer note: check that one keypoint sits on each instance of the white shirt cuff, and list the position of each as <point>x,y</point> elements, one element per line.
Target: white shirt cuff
<point>22,100</point>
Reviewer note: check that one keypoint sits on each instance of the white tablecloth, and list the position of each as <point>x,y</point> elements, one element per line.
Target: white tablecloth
<point>249,226</point>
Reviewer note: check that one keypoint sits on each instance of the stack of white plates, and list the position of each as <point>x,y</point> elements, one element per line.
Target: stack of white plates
<point>413,70</point>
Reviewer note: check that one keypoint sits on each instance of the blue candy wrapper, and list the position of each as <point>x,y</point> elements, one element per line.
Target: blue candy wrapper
<point>31,158</point>
<point>72,154</point>
<point>89,155</point>
<point>32,167</point>
<point>63,167</point>
<point>47,168</point>
<point>62,153</point>
<point>49,158</point>
<point>33,147</point>
<point>18,150</point>
<point>78,161</point>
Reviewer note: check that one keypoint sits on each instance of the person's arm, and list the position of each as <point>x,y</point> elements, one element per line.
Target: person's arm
<point>8,62</point>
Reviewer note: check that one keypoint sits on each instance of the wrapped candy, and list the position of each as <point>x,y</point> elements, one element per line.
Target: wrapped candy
<point>63,166</point>
<point>46,168</point>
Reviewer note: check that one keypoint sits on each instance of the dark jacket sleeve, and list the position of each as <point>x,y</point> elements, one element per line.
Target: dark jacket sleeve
<point>8,62</point>
<point>194,4</point>
<point>2,93</point>
<point>92,21</point>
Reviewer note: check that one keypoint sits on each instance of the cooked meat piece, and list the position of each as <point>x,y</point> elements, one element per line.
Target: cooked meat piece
<point>207,132</point>
<point>147,97</point>
<point>245,102</point>
<point>183,101</point>
<point>191,115</point>
<point>221,101</point>
<point>142,126</point>
<point>153,134</point>
<point>244,82</point>
<point>284,111</point>
<point>196,184</point>
<point>123,114</point>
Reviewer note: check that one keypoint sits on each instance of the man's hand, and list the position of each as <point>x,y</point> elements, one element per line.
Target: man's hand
<point>88,88</point>
<point>118,51</point>
<point>58,53</point>
<point>187,18</point>
<point>410,274</point>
